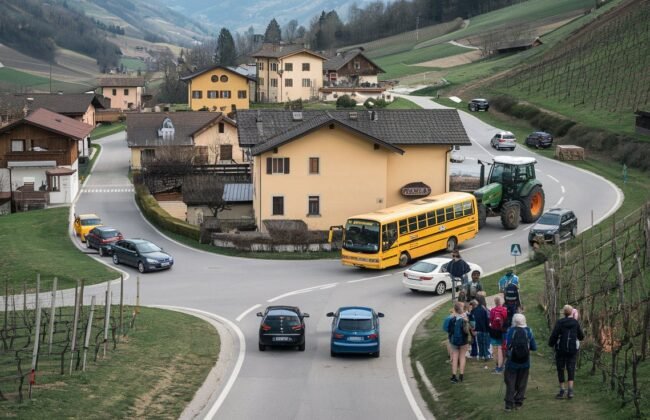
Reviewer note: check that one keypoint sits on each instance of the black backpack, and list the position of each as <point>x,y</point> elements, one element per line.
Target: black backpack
<point>511,294</point>
<point>519,348</point>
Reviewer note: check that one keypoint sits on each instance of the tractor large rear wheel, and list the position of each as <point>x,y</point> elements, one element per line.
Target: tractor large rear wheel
<point>510,214</point>
<point>482,215</point>
<point>532,206</point>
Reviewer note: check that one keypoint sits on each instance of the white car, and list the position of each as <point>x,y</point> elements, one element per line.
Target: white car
<point>426,275</point>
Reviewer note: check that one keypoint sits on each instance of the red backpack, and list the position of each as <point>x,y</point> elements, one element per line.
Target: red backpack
<point>498,317</point>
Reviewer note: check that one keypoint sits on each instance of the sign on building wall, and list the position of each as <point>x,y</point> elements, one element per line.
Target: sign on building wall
<point>416,189</point>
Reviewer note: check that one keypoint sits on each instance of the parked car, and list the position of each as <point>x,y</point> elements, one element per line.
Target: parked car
<point>84,223</point>
<point>539,139</point>
<point>504,140</point>
<point>554,225</point>
<point>355,329</point>
<point>430,275</point>
<point>102,239</point>
<point>282,326</point>
<point>456,156</point>
<point>141,254</point>
<point>478,104</point>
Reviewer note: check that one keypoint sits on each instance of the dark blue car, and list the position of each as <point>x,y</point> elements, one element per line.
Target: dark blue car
<point>355,329</point>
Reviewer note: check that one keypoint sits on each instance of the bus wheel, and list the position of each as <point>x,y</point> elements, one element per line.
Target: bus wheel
<point>404,259</point>
<point>452,243</point>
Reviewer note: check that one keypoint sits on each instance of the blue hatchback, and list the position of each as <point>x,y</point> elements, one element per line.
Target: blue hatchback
<point>355,329</point>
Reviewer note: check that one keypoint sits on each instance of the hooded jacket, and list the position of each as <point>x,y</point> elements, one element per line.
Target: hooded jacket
<point>565,333</point>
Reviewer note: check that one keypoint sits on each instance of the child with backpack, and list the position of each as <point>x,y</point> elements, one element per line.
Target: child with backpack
<point>520,342</point>
<point>445,328</point>
<point>565,340</point>
<point>498,319</point>
<point>458,332</point>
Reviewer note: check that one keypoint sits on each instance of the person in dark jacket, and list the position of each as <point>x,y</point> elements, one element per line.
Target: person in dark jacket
<point>512,301</point>
<point>457,267</point>
<point>516,373</point>
<point>481,317</point>
<point>564,339</point>
<point>474,286</point>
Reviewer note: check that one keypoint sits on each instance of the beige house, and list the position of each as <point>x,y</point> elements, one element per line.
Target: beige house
<point>124,92</point>
<point>287,72</point>
<point>324,166</point>
<point>352,73</point>
<point>211,137</point>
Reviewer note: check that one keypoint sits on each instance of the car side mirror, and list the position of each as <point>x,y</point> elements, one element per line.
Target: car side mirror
<point>330,314</point>
<point>260,314</point>
<point>305,315</point>
<point>380,315</point>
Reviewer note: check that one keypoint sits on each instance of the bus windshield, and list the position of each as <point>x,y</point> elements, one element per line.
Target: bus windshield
<point>361,236</point>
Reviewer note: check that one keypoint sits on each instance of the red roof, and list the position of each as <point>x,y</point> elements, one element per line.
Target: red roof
<point>54,122</point>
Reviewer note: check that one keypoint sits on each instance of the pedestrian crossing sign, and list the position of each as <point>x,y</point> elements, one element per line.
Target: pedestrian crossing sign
<point>515,250</point>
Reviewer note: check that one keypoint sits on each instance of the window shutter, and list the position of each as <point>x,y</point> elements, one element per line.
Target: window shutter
<point>269,165</point>
<point>286,165</point>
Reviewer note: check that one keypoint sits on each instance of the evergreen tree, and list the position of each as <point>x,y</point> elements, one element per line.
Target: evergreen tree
<point>273,34</point>
<point>226,55</point>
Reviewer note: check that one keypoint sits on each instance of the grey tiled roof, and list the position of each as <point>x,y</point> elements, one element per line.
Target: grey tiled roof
<point>66,104</point>
<point>341,59</point>
<point>279,51</point>
<point>142,128</point>
<point>233,193</point>
<point>391,128</point>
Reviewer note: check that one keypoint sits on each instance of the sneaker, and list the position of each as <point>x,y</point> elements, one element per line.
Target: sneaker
<point>461,377</point>
<point>497,371</point>
<point>569,394</point>
<point>453,379</point>
<point>508,408</point>
<point>518,405</point>
<point>560,394</point>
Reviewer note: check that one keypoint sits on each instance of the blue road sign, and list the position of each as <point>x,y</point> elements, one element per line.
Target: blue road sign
<point>515,250</point>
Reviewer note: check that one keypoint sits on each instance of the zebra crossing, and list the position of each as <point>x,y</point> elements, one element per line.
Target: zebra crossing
<point>108,189</point>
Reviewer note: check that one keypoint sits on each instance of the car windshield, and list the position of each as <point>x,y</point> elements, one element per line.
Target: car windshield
<point>147,247</point>
<point>90,222</point>
<point>109,234</point>
<point>361,236</point>
<point>355,324</point>
<point>275,321</point>
<point>549,219</point>
<point>423,267</point>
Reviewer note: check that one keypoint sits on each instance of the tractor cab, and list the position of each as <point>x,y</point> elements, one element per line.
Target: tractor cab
<point>512,171</point>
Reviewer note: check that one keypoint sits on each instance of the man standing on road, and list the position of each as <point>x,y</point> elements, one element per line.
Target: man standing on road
<point>457,267</point>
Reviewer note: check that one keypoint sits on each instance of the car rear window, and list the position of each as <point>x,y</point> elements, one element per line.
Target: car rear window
<point>91,222</point>
<point>508,136</point>
<point>105,234</point>
<point>278,321</point>
<point>355,324</point>
<point>423,267</point>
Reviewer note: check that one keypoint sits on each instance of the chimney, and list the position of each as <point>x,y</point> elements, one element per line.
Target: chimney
<point>28,106</point>
<point>260,126</point>
<point>374,116</point>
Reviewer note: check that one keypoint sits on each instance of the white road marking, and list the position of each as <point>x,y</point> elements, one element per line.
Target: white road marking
<point>559,202</point>
<point>400,365</point>
<point>553,178</point>
<point>328,286</point>
<point>506,236</point>
<point>425,379</point>
<point>476,246</point>
<point>528,227</point>
<point>563,190</point>
<point>479,145</point>
<point>368,278</point>
<point>247,311</point>
<point>307,290</point>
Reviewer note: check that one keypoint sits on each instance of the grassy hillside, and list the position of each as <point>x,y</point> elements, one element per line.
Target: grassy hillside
<point>402,64</point>
<point>16,81</point>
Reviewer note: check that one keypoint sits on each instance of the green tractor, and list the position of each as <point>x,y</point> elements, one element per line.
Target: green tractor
<point>512,192</point>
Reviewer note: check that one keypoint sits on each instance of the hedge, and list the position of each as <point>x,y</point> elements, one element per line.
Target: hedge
<point>159,217</point>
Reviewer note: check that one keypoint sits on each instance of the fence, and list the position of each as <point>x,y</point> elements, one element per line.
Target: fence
<point>606,277</point>
<point>40,339</point>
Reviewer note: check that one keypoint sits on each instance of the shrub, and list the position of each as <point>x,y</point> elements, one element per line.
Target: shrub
<point>502,103</point>
<point>159,217</point>
<point>296,105</point>
<point>345,101</point>
<point>372,103</point>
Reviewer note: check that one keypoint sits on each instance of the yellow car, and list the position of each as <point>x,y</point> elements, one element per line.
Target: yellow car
<point>84,223</point>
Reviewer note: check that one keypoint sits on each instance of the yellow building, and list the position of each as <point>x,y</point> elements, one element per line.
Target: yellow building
<point>208,138</point>
<point>324,166</point>
<point>219,88</point>
<point>288,72</point>
<point>124,92</point>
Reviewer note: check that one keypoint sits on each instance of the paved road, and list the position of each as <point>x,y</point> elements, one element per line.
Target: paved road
<point>298,385</point>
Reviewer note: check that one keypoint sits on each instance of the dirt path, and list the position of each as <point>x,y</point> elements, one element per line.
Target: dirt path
<point>452,61</point>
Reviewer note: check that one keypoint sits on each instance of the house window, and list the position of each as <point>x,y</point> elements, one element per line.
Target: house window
<point>126,92</point>
<point>197,94</point>
<point>213,94</point>
<point>288,66</point>
<point>18,145</point>
<point>201,157</point>
<point>221,127</point>
<point>261,81</point>
<point>241,94</point>
<point>314,206</point>
<point>225,94</point>
<point>147,155</point>
<point>273,66</point>
<point>214,78</point>
<point>278,206</point>
<point>288,82</point>
<point>224,78</point>
<point>357,64</point>
<point>314,165</point>
<point>306,82</point>
<point>274,82</point>
<point>225,152</point>
<point>305,66</point>
<point>114,92</point>
<point>260,66</point>
<point>277,165</point>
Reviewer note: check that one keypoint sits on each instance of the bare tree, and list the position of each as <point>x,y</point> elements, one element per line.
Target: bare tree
<point>165,170</point>
<point>205,190</point>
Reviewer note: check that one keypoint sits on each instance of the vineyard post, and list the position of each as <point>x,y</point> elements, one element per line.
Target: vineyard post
<point>37,334</point>
<point>81,295</point>
<point>52,309</point>
<point>6,299</point>
<point>107,315</point>
<point>74,325</point>
<point>121,305</point>
<point>88,331</point>
<point>24,297</point>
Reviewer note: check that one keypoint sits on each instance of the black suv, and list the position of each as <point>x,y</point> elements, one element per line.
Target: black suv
<point>539,139</point>
<point>478,105</point>
<point>553,226</point>
<point>282,326</point>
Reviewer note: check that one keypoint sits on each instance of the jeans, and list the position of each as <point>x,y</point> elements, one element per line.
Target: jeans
<point>516,381</point>
<point>474,350</point>
<point>483,340</point>
<point>565,361</point>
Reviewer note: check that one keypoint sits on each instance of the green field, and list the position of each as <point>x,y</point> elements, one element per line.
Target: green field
<point>15,79</point>
<point>402,64</point>
<point>106,129</point>
<point>133,64</point>
<point>38,242</point>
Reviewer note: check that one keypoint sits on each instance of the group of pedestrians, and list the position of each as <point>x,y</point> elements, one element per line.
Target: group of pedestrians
<point>473,330</point>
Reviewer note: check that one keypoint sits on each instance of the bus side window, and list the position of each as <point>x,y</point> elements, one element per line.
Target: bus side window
<point>422,221</point>
<point>440,215</point>
<point>458,210</point>
<point>449,213</point>
<point>403,227</point>
<point>389,235</point>
<point>467,208</point>
<point>431,218</point>
<point>413,224</point>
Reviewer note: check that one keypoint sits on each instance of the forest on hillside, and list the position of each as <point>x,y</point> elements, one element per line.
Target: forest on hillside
<point>36,29</point>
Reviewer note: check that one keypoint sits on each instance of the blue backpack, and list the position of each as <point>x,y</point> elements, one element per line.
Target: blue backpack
<point>445,323</point>
<point>458,336</point>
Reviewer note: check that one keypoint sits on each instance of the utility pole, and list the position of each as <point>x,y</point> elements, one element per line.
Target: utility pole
<point>50,78</point>
<point>417,26</point>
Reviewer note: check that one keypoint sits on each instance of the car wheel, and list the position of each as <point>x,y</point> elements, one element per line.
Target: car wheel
<point>332,353</point>
<point>441,288</point>
<point>261,346</point>
<point>88,244</point>
<point>141,267</point>
<point>301,347</point>
<point>101,252</point>
<point>116,259</point>
<point>482,215</point>
<point>375,354</point>
<point>538,144</point>
<point>415,290</point>
<point>404,259</point>
<point>452,243</point>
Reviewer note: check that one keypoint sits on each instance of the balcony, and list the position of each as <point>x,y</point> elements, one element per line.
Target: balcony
<point>62,157</point>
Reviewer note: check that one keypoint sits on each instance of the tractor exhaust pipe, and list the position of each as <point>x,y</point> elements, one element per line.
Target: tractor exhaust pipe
<point>482,174</point>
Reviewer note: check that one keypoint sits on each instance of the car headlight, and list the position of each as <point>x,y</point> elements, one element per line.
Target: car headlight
<point>151,261</point>
<point>551,232</point>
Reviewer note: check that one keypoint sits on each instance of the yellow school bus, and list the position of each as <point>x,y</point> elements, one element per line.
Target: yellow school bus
<point>398,234</point>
